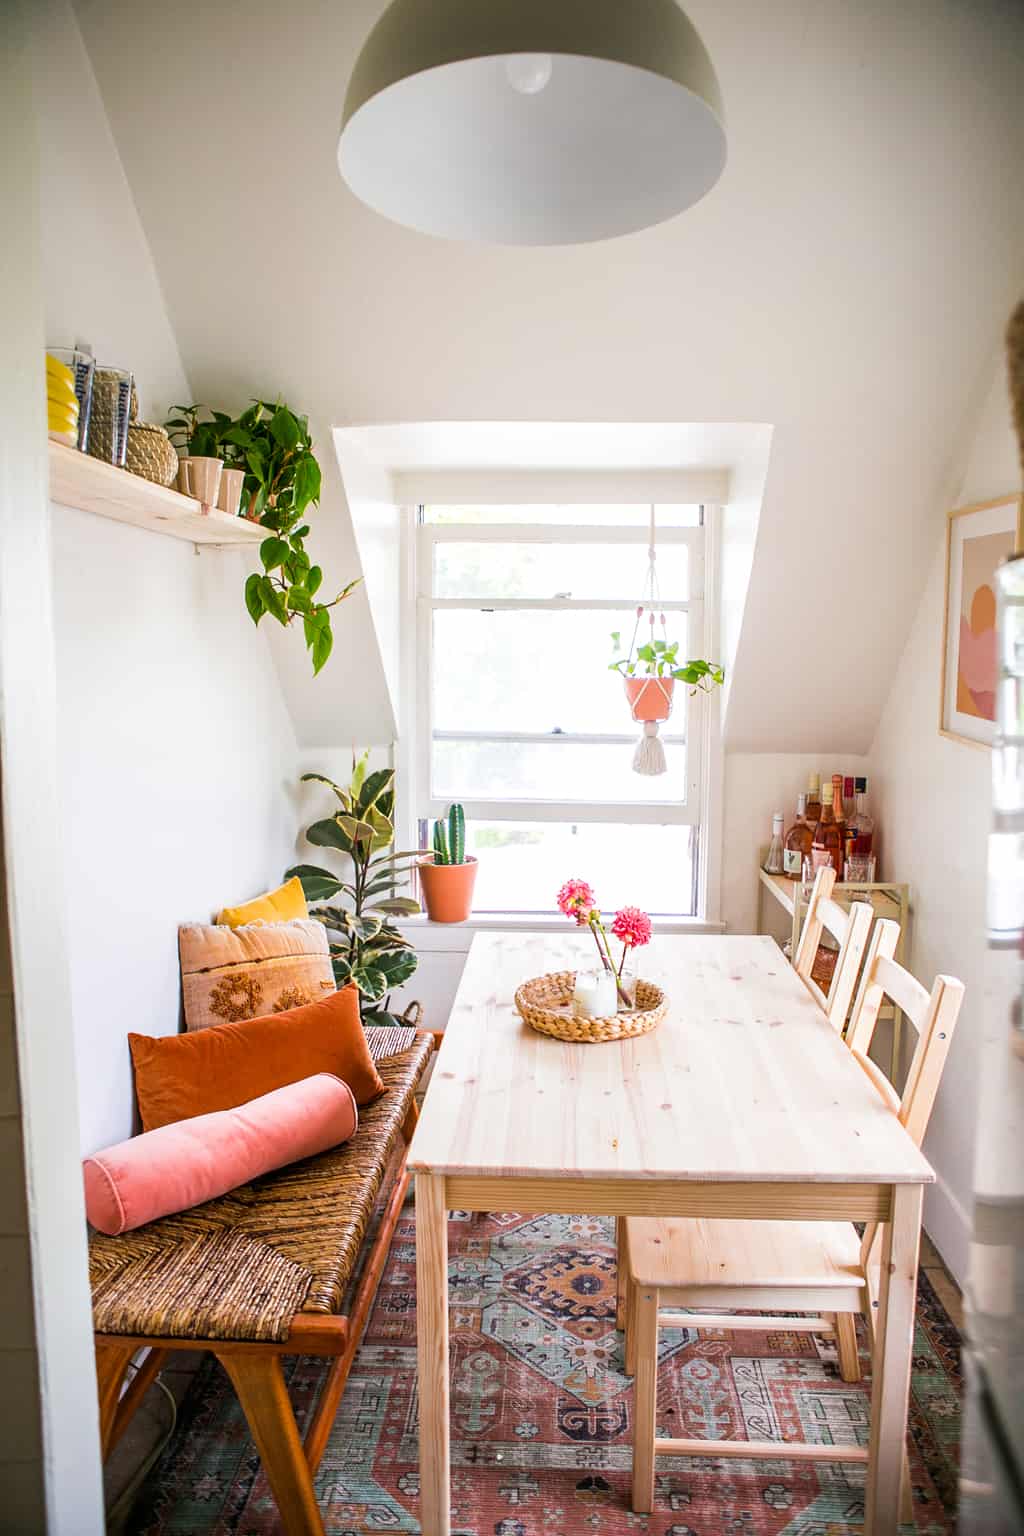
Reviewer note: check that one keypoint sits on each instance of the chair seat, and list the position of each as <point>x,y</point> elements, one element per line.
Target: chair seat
<point>682,1252</point>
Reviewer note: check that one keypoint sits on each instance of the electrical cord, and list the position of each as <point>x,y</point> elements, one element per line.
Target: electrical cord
<point>126,1498</point>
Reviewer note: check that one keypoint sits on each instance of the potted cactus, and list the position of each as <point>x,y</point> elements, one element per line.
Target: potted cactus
<point>447,875</point>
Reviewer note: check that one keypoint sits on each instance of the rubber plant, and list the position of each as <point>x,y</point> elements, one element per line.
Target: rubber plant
<point>272,444</point>
<point>366,947</point>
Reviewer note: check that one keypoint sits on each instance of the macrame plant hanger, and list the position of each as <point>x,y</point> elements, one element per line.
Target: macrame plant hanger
<point>650,698</point>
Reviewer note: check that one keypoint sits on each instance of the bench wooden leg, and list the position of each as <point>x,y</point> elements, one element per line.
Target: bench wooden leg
<point>111,1364</point>
<point>644,1325</point>
<point>259,1382</point>
<point>846,1341</point>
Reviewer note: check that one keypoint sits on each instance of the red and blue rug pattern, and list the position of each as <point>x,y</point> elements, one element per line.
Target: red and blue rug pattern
<point>542,1412</point>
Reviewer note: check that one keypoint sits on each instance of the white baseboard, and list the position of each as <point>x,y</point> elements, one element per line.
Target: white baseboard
<point>948,1225</point>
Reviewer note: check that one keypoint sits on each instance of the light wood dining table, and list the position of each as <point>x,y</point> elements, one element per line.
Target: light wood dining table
<point>743,1103</point>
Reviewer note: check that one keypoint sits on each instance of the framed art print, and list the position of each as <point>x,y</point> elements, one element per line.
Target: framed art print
<point>978,540</point>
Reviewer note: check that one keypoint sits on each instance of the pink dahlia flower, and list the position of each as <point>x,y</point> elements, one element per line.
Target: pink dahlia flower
<point>576,900</point>
<point>632,926</point>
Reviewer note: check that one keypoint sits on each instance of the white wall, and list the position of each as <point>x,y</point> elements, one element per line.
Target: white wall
<point>377,529</point>
<point>49,1423</point>
<point>99,281</point>
<point>756,785</point>
<point>934,798</point>
<point>178,765</point>
<point>177,756</point>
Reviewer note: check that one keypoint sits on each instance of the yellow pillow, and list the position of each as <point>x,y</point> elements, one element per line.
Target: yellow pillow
<point>281,906</point>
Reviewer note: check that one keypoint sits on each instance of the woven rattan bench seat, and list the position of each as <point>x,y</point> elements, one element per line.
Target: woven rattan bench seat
<point>242,1266</point>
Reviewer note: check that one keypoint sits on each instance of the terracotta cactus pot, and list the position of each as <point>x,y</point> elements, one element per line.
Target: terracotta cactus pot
<point>447,889</point>
<point>650,698</point>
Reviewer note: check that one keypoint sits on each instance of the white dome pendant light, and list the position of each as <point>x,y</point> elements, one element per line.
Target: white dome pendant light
<point>532,122</point>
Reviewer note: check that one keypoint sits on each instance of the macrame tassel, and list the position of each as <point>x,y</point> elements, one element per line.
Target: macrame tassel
<point>649,757</point>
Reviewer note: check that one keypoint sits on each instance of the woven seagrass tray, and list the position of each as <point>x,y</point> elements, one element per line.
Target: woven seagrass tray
<point>545,1003</point>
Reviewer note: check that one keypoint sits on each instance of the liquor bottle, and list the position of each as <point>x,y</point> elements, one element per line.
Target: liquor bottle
<point>849,803</point>
<point>861,831</point>
<point>773,864</point>
<point>798,842</point>
<point>839,813</point>
<point>813,799</point>
<point>827,844</point>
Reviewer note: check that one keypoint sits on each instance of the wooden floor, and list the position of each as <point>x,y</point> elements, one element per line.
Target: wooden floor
<point>942,1282</point>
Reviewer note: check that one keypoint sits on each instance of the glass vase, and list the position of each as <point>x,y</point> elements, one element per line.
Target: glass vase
<point>627,982</point>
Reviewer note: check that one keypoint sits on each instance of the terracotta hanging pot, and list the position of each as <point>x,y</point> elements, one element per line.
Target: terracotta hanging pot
<point>650,698</point>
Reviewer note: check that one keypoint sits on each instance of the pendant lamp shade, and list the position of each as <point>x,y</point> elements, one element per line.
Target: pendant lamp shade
<point>532,122</point>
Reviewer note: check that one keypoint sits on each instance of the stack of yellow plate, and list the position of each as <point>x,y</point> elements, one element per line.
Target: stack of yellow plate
<point>61,402</point>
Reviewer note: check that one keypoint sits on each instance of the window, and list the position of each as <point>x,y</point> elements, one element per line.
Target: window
<point>520,719</point>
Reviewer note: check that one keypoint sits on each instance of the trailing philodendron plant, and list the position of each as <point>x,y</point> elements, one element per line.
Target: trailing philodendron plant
<point>450,844</point>
<point>200,439</point>
<point>366,947</point>
<point>272,445</point>
<point>659,658</point>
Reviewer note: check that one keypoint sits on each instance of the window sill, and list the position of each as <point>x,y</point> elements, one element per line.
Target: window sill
<point>422,933</point>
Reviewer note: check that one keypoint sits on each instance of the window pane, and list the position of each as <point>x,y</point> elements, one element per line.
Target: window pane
<point>601,516</point>
<point>544,671</point>
<point>557,570</point>
<point>585,771</point>
<point>523,865</point>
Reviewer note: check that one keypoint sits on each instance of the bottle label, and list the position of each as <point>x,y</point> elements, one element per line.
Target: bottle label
<point>792,863</point>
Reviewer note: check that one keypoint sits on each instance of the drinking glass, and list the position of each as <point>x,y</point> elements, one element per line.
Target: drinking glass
<point>111,413</point>
<point>82,369</point>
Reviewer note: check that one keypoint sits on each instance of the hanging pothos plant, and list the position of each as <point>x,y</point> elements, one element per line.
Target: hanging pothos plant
<point>282,481</point>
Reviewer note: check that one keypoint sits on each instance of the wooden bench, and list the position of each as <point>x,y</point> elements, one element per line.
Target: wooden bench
<point>278,1267</point>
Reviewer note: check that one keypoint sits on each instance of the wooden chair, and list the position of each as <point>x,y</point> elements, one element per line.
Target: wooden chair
<point>818,1268</point>
<point>850,931</point>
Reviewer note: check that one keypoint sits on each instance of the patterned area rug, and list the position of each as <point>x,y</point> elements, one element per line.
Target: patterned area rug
<point>542,1411</point>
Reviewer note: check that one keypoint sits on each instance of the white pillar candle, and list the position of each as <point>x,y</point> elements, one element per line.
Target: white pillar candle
<point>594,996</point>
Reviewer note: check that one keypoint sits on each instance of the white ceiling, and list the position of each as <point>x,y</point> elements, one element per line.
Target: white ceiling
<point>583,445</point>
<point>846,281</point>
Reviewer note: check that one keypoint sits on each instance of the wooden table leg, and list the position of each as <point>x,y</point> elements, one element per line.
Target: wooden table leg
<point>432,1350</point>
<point>894,1342</point>
<point>645,1397</point>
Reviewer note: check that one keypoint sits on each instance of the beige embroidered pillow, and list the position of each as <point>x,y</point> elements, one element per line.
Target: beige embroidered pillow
<point>231,974</point>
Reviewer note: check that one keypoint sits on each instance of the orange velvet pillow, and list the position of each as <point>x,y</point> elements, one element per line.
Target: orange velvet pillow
<point>178,1076</point>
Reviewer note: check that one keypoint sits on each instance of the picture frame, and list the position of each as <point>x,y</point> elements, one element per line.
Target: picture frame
<point>978,539</point>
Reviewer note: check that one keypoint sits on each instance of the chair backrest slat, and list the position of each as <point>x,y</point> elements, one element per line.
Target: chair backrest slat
<point>871,993</point>
<point>926,1069</point>
<point>810,933</point>
<point>850,929</point>
<point>903,989</point>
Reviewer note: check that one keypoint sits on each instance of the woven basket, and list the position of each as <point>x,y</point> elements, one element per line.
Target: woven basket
<point>150,453</point>
<point>545,1003</point>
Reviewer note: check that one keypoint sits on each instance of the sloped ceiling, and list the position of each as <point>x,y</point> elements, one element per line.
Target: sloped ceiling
<point>846,281</point>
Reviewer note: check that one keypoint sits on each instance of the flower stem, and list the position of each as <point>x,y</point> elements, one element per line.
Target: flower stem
<point>605,952</point>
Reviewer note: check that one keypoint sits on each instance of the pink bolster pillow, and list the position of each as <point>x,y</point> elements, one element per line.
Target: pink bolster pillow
<point>184,1164</point>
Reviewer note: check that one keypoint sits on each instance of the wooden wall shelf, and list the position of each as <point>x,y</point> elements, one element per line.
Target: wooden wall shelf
<point>78,480</point>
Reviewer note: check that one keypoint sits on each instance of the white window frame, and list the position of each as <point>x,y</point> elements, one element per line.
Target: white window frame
<point>701,732</point>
